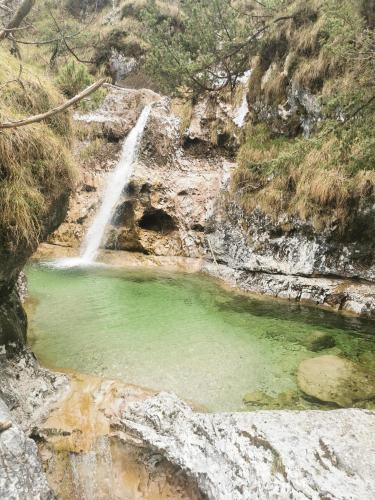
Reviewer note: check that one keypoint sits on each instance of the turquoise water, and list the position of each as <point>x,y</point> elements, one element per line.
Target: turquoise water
<point>180,333</point>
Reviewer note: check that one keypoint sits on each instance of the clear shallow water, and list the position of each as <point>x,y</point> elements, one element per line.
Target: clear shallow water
<point>180,333</point>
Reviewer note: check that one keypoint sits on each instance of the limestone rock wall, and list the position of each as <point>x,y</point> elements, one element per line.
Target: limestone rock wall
<point>179,203</point>
<point>288,259</point>
<point>170,198</point>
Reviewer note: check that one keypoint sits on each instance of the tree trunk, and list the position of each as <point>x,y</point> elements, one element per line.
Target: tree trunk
<point>20,14</point>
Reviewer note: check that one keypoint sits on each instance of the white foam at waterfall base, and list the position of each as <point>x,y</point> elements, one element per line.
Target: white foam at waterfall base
<point>117,181</point>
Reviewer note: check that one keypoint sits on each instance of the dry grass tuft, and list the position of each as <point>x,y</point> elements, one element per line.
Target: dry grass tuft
<point>35,164</point>
<point>317,179</point>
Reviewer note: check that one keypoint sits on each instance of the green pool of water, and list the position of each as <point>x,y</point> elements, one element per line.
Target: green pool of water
<point>181,333</point>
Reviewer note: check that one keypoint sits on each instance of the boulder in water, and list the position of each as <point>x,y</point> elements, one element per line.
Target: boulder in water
<point>332,379</point>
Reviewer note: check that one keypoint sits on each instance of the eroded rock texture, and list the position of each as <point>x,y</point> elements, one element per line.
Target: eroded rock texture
<point>170,198</point>
<point>288,259</point>
<point>276,454</point>
<point>26,393</point>
<point>21,472</point>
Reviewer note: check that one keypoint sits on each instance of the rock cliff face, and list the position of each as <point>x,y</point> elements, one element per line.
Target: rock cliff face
<point>172,191</point>
<point>289,259</point>
<point>25,390</point>
<point>13,258</point>
<point>179,204</point>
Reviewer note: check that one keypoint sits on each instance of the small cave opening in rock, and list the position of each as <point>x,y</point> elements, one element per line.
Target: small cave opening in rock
<point>157,220</point>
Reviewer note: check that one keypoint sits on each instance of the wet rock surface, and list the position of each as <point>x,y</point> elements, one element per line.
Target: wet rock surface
<point>118,113</point>
<point>167,205</point>
<point>87,452</point>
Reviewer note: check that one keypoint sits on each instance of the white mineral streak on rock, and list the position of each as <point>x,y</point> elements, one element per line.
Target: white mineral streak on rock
<point>262,455</point>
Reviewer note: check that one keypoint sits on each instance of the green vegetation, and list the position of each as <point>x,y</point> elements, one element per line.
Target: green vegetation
<point>72,78</point>
<point>323,47</point>
<point>196,46</point>
<point>190,49</point>
<point>326,49</point>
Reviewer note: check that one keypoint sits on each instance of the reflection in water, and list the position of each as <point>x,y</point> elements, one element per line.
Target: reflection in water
<point>180,333</point>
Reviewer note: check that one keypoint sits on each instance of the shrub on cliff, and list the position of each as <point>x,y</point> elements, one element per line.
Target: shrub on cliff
<point>72,78</point>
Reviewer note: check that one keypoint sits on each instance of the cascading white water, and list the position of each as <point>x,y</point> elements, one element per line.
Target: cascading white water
<point>117,181</point>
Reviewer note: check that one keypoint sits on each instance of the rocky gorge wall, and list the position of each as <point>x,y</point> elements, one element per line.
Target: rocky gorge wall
<point>180,203</point>
<point>106,437</point>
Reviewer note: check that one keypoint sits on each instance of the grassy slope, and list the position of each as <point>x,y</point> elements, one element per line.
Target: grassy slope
<point>35,163</point>
<point>331,175</point>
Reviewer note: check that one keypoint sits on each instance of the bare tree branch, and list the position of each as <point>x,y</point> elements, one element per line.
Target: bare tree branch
<point>39,42</point>
<point>38,118</point>
<point>64,38</point>
<point>20,14</point>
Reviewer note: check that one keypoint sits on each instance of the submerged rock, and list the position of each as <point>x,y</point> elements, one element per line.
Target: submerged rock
<point>256,398</point>
<point>335,380</point>
<point>316,341</point>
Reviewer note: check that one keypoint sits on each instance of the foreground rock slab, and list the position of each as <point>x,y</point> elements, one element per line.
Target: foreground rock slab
<point>21,473</point>
<point>262,455</point>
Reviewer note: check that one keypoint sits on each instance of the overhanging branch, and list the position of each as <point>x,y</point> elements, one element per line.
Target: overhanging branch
<point>43,116</point>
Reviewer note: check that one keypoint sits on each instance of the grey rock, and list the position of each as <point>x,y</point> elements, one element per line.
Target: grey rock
<point>287,259</point>
<point>262,455</point>
<point>27,389</point>
<point>21,472</point>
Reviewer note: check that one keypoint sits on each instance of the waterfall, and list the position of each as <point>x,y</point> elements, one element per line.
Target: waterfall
<point>117,181</point>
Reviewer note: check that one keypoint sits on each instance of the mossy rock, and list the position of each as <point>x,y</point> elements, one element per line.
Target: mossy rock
<point>335,380</point>
<point>317,341</point>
